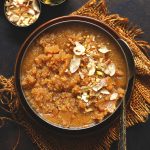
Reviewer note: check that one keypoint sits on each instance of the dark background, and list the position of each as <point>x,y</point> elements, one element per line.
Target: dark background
<point>138,11</point>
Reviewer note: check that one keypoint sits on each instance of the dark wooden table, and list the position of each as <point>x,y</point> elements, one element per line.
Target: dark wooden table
<point>138,11</point>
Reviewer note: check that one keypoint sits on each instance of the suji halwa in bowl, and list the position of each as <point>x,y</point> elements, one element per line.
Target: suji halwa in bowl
<point>73,76</point>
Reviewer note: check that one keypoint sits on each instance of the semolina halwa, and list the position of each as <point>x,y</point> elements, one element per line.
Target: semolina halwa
<point>73,76</point>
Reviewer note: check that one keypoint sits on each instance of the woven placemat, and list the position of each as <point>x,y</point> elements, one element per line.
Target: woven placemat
<point>138,109</point>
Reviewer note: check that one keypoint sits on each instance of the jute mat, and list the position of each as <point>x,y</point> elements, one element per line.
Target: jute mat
<point>138,109</point>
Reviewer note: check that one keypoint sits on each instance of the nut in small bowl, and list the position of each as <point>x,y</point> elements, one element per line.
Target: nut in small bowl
<point>22,13</point>
<point>52,2</point>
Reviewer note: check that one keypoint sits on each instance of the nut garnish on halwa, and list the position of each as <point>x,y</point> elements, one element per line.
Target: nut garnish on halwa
<point>74,76</point>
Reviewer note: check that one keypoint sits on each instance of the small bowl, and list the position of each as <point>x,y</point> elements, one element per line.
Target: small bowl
<point>125,50</point>
<point>52,3</point>
<point>15,24</point>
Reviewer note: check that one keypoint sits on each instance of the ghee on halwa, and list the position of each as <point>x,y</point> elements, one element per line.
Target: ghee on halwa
<point>73,76</point>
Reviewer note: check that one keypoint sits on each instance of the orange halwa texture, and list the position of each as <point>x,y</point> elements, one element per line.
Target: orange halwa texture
<point>52,90</point>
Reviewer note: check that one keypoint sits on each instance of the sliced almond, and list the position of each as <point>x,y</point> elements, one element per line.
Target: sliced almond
<point>79,49</point>
<point>7,4</point>
<point>100,96</point>
<point>114,96</point>
<point>66,70</point>
<point>105,92</point>
<point>85,97</point>
<point>110,70</point>
<point>14,18</point>
<point>81,75</point>
<point>74,64</point>
<point>97,87</point>
<point>9,13</point>
<point>104,50</point>
<point>31,11</point>
<point>35,6</point>
<point>20,1</point>
<point>91,67</point>
<point>26,21</point>
<point>100,85</point>
<point>111,107</point>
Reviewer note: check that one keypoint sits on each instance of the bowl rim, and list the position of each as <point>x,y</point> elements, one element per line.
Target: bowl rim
<point>49,24</point>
